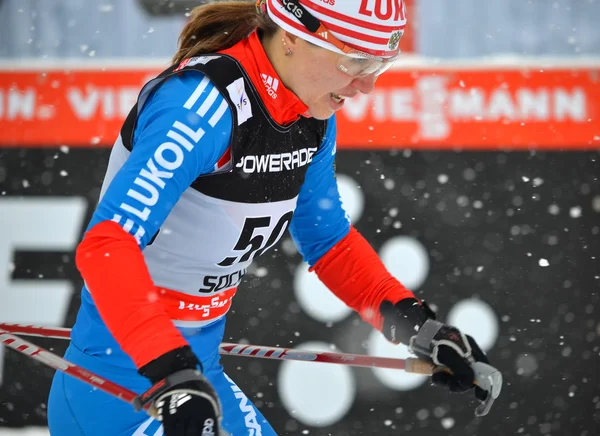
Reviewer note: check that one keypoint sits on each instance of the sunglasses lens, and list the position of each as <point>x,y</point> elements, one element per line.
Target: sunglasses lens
<point>364,65</point>
<point>384,67</point>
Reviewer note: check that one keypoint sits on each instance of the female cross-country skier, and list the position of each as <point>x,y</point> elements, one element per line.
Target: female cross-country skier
<point>223,152</point>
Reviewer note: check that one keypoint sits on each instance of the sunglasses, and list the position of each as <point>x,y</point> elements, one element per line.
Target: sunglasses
<point>353,62</point>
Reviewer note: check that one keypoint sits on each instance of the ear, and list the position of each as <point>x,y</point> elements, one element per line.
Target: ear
<point>290,39</point>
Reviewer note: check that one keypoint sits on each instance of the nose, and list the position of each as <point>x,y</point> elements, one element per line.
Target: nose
<point>365,84</point>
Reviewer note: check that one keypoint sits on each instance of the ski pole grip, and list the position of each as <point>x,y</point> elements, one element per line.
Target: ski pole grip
<point>420,366</point>
<point>423,367</point>
<point>152,412</point>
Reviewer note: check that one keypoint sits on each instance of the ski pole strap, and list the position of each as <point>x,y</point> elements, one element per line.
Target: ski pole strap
<point>164,385</point>
<point>420,344</point>
<point>490,380</point>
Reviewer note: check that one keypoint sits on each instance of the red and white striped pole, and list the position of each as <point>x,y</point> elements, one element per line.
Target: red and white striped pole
<point>52,360</point>
<point>412,365</point>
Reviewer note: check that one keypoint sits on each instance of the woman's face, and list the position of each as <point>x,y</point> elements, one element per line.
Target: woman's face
<point>313,75</point>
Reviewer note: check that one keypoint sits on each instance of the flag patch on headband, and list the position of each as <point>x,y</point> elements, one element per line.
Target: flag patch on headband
<point>395,39</point>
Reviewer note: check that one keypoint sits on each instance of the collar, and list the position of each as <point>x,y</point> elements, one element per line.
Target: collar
<point>283,105</point>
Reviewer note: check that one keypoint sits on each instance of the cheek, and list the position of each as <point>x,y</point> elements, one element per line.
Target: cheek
<point>325,83</point>
<point>322,75</point>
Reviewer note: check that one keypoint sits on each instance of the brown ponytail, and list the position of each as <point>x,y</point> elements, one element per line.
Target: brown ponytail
<point>217,26</point>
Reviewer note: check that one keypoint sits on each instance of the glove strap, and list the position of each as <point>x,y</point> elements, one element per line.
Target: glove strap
<point>162,386</point>
<point>424,342</point>
<point>169,363</point>
<point>421,343</point>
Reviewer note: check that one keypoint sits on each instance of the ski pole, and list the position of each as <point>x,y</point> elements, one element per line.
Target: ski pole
<point>58,363</point>
<point>487,377</point>
<point>412,365</point>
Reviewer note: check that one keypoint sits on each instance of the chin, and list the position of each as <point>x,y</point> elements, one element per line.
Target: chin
<point>320,113</point>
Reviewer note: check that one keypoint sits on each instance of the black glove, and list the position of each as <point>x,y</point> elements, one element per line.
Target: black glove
<point>401,321</point>
<point>186,403</point>
<point>414,324</point>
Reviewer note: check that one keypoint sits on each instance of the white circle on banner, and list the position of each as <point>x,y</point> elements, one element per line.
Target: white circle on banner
<point>379,346</point>
<point>406,259</point>
<point>316,394</point>
<point>315,299</point>
<point>352,197</point>
<point>476,318</point>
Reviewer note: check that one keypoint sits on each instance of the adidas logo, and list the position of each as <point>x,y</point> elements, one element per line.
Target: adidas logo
<point>323,35</point>
<point>271,84</point>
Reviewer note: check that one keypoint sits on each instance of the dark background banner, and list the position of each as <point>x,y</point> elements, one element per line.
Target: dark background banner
<point>517,230</point>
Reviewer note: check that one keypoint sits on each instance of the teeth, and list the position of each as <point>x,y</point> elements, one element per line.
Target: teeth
<point>336,98</point>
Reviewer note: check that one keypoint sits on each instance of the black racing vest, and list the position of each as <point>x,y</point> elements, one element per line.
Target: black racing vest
<point>269,160</point>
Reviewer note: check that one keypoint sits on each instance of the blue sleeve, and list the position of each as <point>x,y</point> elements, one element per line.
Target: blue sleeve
<point>182,131</point>
<point>320,220</point>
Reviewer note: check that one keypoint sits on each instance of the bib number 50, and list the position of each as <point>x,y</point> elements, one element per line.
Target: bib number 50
<point>251,244</point>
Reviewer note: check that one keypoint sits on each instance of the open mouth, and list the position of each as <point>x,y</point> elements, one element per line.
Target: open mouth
<point>337,98</point>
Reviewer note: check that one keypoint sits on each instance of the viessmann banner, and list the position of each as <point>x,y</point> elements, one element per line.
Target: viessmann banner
<point>418,107</point>
<point>504,243</point>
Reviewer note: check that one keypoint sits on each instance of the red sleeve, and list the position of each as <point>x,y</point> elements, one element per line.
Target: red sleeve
<point>353,271</point>
<point>113,267</point>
